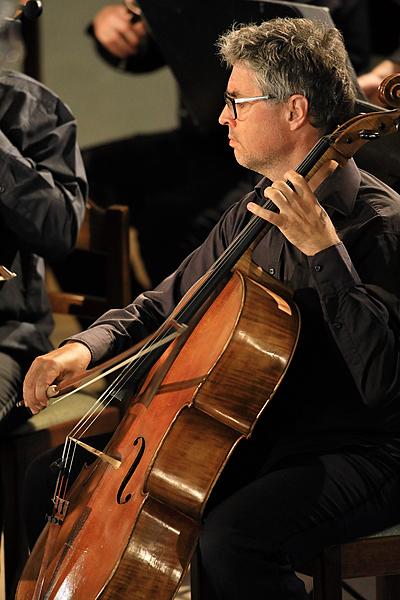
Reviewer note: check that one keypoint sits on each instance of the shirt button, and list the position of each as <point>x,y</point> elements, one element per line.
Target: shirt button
<point>271,271</point>
<point>317,268</point>
<point>337,325</point>
<point>2,189</point>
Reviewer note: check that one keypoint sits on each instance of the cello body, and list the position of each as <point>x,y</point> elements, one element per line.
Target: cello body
<point>130,532</point>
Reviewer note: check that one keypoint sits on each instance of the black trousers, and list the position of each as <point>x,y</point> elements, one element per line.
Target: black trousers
<point>262,523</point>
<point>255,537</point>
<point>12,373</point>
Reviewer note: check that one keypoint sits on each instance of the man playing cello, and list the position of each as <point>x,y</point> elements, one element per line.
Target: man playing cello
<point>322,466</point>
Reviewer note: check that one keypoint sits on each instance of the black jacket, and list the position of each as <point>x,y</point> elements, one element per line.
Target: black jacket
<point>42,199</point>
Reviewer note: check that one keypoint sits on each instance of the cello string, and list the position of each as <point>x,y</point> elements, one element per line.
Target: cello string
<point>118,366</point>
<point>64,471</point>
<point>103,401</point>
<point>93,413</point>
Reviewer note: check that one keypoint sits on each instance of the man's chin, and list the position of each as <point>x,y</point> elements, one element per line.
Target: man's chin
<point>240,159</point>
<point>250,165</point>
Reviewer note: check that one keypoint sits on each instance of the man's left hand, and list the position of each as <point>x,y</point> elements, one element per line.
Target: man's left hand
<point>301,218</point>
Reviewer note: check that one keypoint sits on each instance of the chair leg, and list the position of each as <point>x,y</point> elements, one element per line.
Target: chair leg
<point>388,587</point>
<point>327,575</point>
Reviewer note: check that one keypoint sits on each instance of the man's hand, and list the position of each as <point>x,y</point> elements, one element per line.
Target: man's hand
<point>114,30</point>
<point>301,218</point>
<point>370,82</point>
<point>65,362</point>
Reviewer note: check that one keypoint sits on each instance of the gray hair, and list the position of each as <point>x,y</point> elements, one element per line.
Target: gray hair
<point>296,56</point>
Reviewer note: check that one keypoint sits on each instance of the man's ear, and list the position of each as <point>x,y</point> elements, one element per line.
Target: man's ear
<point>297,107</point>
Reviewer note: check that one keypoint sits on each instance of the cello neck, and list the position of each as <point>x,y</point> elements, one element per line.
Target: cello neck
<point>221,269</point>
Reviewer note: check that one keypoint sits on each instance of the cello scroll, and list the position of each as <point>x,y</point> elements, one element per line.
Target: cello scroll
<point>389,91</point>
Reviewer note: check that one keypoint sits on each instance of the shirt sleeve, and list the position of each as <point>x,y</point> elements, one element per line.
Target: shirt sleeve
<point>43,185</point>
<point>119,329</point>
<point>364,319</point>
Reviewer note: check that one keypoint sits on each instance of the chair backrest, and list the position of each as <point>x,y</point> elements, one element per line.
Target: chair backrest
<point>32,56</point>
<point>104,232</point>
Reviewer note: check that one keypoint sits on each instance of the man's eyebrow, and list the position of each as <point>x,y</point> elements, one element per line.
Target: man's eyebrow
<point>234,94</point>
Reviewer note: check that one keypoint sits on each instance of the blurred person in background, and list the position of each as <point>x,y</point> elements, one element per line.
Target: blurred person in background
<point>42,198</point>
<point>200,177</point>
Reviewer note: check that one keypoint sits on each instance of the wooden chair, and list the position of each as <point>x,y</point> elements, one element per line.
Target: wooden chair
<point>376,556</point>
<point>104,232</point>
<point>31,40</point>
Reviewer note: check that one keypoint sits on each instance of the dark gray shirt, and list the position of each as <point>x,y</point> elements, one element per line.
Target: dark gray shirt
<point>42,199</point>
<point>343,385</point>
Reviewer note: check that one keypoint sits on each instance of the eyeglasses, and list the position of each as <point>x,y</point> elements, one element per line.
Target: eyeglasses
<point>231,102</point>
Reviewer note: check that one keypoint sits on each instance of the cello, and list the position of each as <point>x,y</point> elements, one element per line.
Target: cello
<point>139,506</point>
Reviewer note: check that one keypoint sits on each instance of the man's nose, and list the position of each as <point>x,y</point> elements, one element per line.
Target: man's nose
<point>225,117</point>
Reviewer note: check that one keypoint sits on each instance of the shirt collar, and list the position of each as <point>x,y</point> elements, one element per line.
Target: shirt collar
<point>339,191</point>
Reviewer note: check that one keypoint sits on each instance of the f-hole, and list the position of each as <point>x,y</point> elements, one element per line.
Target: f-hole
<point>131,471</point>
